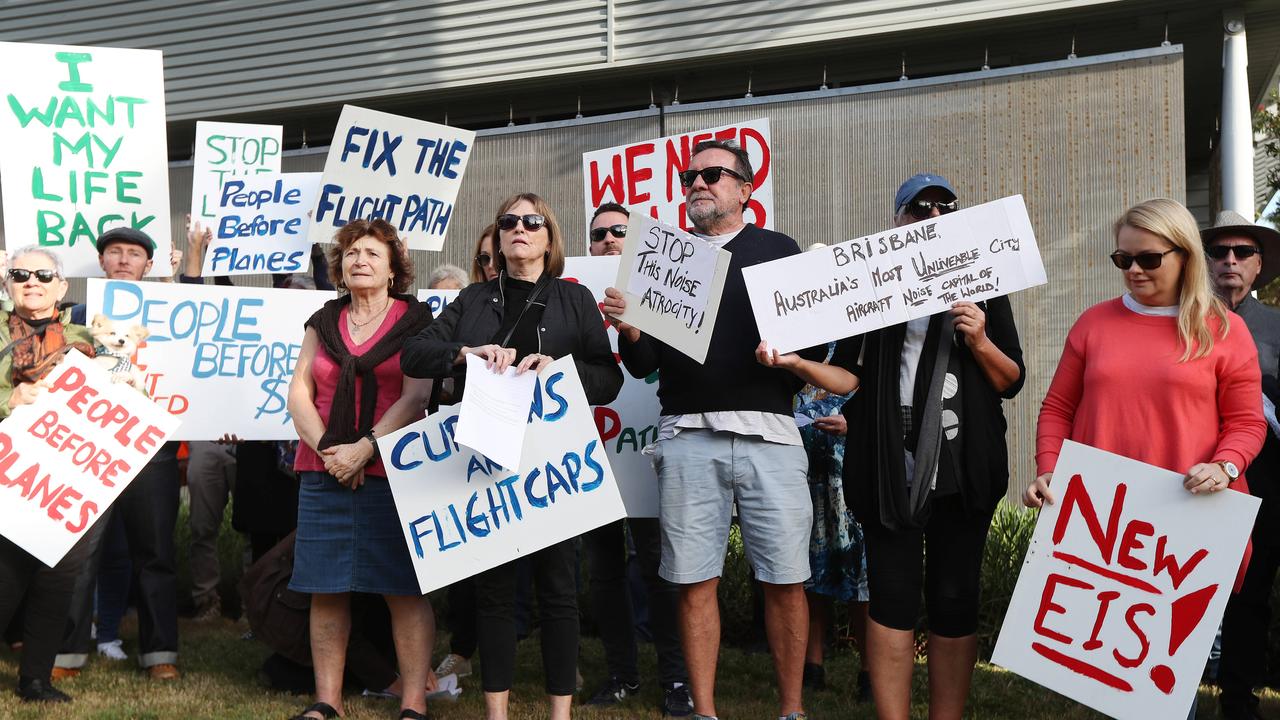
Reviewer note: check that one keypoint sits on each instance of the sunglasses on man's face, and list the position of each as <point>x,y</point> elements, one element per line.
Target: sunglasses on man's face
<point>1242,252</point>
<point>710,175</point>
<point>21,275</point>
<point>1146,260</point>
<point>532,222</point>
<point>618,231</point>
<point>922,209</point>
<point>483,259</point>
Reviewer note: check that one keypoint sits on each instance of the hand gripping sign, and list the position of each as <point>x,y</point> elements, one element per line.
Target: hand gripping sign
<point>67,456</point>
<point>1124,585</point>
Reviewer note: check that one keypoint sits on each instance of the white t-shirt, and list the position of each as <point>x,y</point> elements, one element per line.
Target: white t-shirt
<point>912,347</point>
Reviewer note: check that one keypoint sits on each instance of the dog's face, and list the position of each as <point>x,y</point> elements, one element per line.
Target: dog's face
<point>117,339</point>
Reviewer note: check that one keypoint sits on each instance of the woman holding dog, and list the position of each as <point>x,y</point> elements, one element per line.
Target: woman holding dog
<point>33,339</point>
<point>347,391</point>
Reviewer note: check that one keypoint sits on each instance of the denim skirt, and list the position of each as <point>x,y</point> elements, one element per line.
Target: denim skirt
<point>350,540</point>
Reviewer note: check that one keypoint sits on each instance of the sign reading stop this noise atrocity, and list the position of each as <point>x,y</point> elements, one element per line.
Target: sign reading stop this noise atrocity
<point>261,223</point>
<point>82,149</point>
<point>1124,585</point>
<point>67,456</point>
<point>462,513</point>
<point>894,276</point>
<point>401,170</point>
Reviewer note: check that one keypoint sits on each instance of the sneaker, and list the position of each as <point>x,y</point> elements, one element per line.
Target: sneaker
<point>815,676</point>
<point>614,692</point>
<point>454,665</point>
<point>210,610</point>
<point>113,650</point>
<point>61,673</point>
<point>163,672</point>
<point>676,701</point>
<point>795,716</point>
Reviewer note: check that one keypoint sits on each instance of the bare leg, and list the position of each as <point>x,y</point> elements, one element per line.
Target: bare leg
<point>700,635</point>
<point>330,630</point>
<point>495,705</point>
<point>819,621</point>
<point>951,662</point>
<point>786,618</point>
<point>560,706</point>
<point>414,628</point>
<point>890,653</point>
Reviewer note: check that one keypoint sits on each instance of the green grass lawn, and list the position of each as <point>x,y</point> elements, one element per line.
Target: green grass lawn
<point>219,681</point>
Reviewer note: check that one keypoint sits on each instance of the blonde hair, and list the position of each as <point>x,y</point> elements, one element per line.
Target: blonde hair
<point>1172,221</point>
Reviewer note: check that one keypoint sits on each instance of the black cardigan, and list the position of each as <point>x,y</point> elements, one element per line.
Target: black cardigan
<point>571,324</point>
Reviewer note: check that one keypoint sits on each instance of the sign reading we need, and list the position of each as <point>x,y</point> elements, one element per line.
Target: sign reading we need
<point>82,149</point>
<point>219,357</point>
<point>225,151</point>
<point>67,456</point>
<point>1123,588</point>
<point>401,170</point>
<point>260,225</point>
<point>894,276</point>
<point>645,176</point>
<point>462,513</point>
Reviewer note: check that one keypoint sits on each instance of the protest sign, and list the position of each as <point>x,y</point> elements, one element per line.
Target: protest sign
<point>672,282</point>
<point>219,357</point>
<point>462,513</point>
<point>401,170</point>
<point>891,277</point>
<point>1124,585</point>
<point>630,422</point>
<point>437,299</point>
<point>645,176</point>
<point>229,150</point>
<point>67,456</point>
<point>82,149</point>
<point>260,225</point>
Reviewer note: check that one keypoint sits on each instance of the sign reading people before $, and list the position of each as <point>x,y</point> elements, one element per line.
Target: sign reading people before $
<point>672,282</point>
<point>462,513</point>
<point>401,170</point>
<point>894,276</point>
<point>67,456</point>
<point>82,149</point>
<point>1122,589</point>
<point>219,357</point>
<point>225,151</point>
<point>645,176</point>
<point>260,225</point>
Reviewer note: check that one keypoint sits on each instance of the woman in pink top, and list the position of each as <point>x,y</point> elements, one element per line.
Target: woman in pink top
<point>347,390</point>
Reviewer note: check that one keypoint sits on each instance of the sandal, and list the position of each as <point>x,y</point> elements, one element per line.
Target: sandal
<point>413,715</point>
<point>325,709</point>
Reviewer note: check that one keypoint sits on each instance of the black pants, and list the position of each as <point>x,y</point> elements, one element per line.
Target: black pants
<point>78,640</point>
<point>462,618</point>
<point>1246,624</point>
<point>149,511</point>
<point>555,586</point>
<point>606,549</point>
<point>47,592</point>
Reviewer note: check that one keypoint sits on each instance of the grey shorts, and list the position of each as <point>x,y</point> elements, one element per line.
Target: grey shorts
<point>700,475</point>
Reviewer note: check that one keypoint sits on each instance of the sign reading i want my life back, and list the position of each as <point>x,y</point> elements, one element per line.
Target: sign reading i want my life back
<point>67,456</point>
<point>260,225</point>
<point>894,276</point>
<point>401,170</point>
<point>462,513</point>
<point>82,149</point>
<point>1124,584</point>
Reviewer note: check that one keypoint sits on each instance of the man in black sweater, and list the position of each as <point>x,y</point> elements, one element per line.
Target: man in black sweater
<point>728,434</point>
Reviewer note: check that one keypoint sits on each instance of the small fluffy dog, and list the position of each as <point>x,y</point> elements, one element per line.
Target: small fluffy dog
<point>114,346</point>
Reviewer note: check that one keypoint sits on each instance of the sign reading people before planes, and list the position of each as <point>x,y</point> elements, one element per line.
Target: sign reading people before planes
<point>1122,590</point>
<point>644,176</point>
<point>225,151</point>
<point>462,513</point>
<point>219,357</point>
<point>401,170</point>
<point>260,225</point>
<point>894,276</point>
<point>65,457</point>
<point>672,283</point>
<point>82,149</point>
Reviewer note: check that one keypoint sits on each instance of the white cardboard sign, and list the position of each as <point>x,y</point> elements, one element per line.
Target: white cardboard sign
<point>401,170</point>
<point>436,300</point>
<point>260,224</point>
<point>229,150</point>
<point>67,456</point>
<point>82,149</point>
<point>219,357</point>
<point>1124,585</point>
<point>894,276</point>
<point>462,513</point>
<point>672,282</point>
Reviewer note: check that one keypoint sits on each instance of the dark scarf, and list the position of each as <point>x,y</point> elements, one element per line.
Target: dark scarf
<point>342,414</point>
<point>37,348</point>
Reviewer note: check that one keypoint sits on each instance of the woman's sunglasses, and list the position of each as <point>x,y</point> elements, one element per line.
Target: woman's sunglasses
<point>710,175</point>
<point>1242,252</point>
<point>922,209</point>
<point>1146,260</point>
<point>483,259</point>
<point>21,275</point>
<point>532,222</point>
<point>618,231</point>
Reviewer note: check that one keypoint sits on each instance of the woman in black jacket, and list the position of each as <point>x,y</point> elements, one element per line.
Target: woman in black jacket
<point>526,317</point>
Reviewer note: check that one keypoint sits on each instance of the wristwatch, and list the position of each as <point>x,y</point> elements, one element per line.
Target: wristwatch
<point>374,441</point>
<point>1230,469</point>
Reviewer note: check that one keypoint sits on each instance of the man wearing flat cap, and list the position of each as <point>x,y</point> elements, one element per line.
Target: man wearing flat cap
<point>1244,257</point>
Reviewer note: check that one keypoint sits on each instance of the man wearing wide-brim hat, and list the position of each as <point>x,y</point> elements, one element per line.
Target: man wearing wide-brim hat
<point>1244,257</point>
